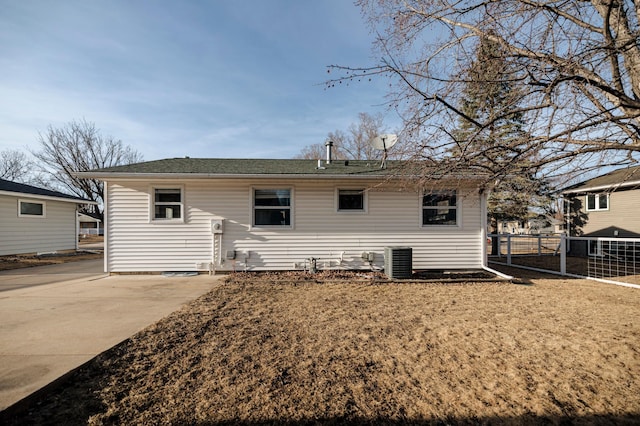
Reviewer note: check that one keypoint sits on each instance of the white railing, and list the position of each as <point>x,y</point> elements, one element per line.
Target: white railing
<point>614,260</point>
<point>90,231</point>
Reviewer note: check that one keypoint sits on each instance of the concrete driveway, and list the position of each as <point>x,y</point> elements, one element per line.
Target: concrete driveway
<point>49,274</point>
<point>58,317</point>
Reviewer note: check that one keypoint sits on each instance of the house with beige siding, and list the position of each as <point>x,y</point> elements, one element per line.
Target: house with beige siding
<point>605,206</point>
<point>37,220</point>
<point>208,215</point>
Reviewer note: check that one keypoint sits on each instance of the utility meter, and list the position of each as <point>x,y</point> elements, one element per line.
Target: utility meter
<point>217,226</point>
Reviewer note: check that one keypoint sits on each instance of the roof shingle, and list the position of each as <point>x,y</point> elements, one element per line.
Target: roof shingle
<point>228,166</point>
<point>617,178</point>
<point>21,188</point>
<point>293,168</point>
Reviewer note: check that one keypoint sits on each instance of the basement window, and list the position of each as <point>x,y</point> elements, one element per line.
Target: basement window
<point>272,207</point>
<point>597,202</point>
<point>31,208</point>
<point>351,200</point>
<point>167,204</point>
<point>440,208</point>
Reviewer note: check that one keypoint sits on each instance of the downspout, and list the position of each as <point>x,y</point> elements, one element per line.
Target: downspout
<point>77,227</point>
<point>483,236</point>
<point>216,252</point>
<point>106,227</point>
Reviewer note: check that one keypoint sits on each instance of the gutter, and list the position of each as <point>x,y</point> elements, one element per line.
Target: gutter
<point>601,187</point>
<point>147,176</point>
<point>483,240</point>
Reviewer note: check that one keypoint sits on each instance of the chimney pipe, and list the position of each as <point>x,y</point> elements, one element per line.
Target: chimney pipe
<point>329,145</point>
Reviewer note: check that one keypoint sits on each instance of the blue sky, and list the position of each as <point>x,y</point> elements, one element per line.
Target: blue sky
<point>217,78</point>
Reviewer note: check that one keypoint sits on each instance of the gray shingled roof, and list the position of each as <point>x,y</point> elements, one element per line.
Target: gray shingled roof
<point>240,167</point>
<point>620,178</point>
<point>21,188</point>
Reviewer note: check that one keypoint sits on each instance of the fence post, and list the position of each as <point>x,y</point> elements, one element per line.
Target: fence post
<point>539,245</point>
<point>508,249</point>
<point>563,254</point>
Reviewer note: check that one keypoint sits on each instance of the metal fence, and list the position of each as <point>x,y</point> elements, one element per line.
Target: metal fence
<point>613,260</point>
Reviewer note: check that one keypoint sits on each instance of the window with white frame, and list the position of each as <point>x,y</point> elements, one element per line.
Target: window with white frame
<point>31,208</point>
<point>597,202</point>
<point>272,207</point>
<point>440,208</point>
<point>595,247</point>
<point>351,200</point>
<point>168,204</point>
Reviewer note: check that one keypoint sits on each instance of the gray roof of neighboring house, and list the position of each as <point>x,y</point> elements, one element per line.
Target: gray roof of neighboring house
<point>621,178</point>
<point>21,188</point>
<point>226,167</point>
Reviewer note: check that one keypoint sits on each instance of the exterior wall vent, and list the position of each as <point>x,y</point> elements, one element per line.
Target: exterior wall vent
<point>398,262</point>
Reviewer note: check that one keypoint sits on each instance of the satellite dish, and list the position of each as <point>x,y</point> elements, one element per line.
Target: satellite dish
<point>383,143</point>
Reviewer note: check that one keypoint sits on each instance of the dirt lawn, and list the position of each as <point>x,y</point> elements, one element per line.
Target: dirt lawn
<point>28,260</point>
<point>256,351</point>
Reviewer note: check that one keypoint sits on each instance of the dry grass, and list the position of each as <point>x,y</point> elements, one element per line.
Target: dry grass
<point>254,351</point>
<point>20,261</point>
<point>88,239</point>
<point>579,266</point>
<point>28,260</point>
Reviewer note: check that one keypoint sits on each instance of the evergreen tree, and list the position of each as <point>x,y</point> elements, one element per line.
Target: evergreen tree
<point>490,134</point>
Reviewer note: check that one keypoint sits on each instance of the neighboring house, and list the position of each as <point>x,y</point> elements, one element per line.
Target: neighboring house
<point>605,206</point>
<point>37,220</point>
<point>533,226</point>
<point>89,225</point>
<point>188,214</point>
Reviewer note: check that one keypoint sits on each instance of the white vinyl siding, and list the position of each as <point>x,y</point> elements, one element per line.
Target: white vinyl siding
<point>393,219</point>
<point>54,231</point>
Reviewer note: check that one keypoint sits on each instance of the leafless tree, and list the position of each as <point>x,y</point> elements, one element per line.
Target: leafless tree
<point>354,144</point>
<point>579,62</point>
<point>315,151</point>
<point>15,166</point>
<point>79,146</point>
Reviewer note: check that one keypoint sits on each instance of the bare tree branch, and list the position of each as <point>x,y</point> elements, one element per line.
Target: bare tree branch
<point>77,147</point>
<point>580,61</point>
<point>15,166</point>
<point>354,144</point>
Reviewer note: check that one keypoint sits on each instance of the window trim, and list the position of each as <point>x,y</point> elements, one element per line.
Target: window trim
<point>594,250</point>
<point>252,203</point>
<point>597,196</point>
<point>365,201</point>
<point>458,208</point>
<point>152,204</point>
<point>28,201</point>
